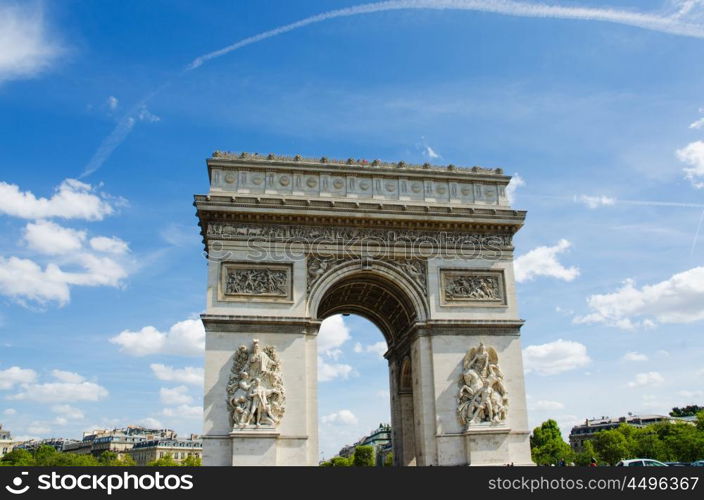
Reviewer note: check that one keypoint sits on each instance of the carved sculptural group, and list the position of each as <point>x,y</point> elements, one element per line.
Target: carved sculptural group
<point>482,395</point>
<point>255,391</point>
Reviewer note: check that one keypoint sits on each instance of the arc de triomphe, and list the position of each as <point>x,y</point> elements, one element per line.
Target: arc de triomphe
<point>424,252</point>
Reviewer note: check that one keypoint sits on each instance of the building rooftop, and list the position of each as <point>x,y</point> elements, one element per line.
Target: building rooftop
<point>350,162</point>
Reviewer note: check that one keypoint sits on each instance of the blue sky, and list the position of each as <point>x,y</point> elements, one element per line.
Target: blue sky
<point>106,122</point>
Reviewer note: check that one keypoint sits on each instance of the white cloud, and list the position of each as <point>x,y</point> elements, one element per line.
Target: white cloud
<point>430,153</point>
<point>175,396</point>
<point>678,299</point>
<point>70,387</point>
<point>112,245</point>
<point>542,261</point>
<point>332,334</point>
<point>185,338</point>
<point>596,201</point>
<point>635,356</point>
<point>26,48</point>
<point>650,379</point>
<point>70,377</point>
<point>151,423</point>
<point>68,412</point>
<point>38,428</point>
<point>9,412</point>
<point>112,102</point>
<point>697,124</point>
<point>342,417</point>
<point>515,182</point>
<point>184,411</point>
<point>72,200</point>
<point>16,375</point>
<point>378,348</point>
<point>693,154</point>
<point>544,405</point>
<point>555,357</point>
<point>331,371</point>
<point>24,279</point>
<point>52,239</point>
<point>191,375</point>
<point>383,393</point>
<point>697,394</point>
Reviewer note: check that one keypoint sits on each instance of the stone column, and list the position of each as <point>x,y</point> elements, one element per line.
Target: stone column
<point>294,440</point>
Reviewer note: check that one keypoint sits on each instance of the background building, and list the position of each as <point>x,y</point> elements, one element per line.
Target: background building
<point>179,449</point>
<point>6,443</point>
<point>379,438</point>
<point>582,433</point>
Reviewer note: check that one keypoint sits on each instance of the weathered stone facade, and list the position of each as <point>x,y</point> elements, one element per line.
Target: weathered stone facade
<point>423,252</point>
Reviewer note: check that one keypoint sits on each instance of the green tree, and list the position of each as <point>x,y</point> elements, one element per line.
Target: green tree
<point>75,460</point>
<point>585,456</point>
<point>108,458</point>
<point>46,456</point>
<point>191,461</point>
<point>700,421</point>
<point>647,444</point>
<point>337,462</point>
<point>547,446</point>
<point>611,446</point>
<point>18,456</point>
<point>166,461</point>
<point>686,411</point>
<point>363,456</point>
<point>389,460</point>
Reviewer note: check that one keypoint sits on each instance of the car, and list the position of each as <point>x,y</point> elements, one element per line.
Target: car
<point>640,462</point>
<point>698,463</point>
<point>677,464</point>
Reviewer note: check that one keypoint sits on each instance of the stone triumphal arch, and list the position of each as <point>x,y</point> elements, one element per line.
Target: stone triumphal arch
<point>424,252</point>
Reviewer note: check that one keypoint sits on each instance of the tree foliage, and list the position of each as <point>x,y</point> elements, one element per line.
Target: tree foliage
<point>612,446</point>
<point>363,456</point>
<point>585,456</point>
<point>166,461</point>
<point>686,411</point>
<point>47,456</point>
<point>337,462</point>
<point>547,445</point>
<point>664,441</point>
<point>192,461</point>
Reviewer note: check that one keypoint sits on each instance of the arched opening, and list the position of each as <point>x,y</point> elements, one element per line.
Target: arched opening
<point>384,304</point>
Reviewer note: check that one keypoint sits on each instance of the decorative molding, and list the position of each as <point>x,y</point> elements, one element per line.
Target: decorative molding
<point>414,269</point>
<point>256,281</point>
<point>482,396</point>
<point>352,235</point>
<point>472,287</point>
<point>256,157</point>
<point>255,390</point>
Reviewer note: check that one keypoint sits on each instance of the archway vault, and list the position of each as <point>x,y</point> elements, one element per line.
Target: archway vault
<point>375,291</point>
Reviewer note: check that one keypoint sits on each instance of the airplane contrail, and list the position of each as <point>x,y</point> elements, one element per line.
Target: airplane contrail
<point>673,24</point>
<point>666,24</point>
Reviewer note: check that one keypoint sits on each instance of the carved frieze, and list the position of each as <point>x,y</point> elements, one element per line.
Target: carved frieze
<point>353,235</point>
<point>251,281</point>
<point>255,390</point>
<point>482,396</point>
<point>469,287</point>
<point>414,269</point>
